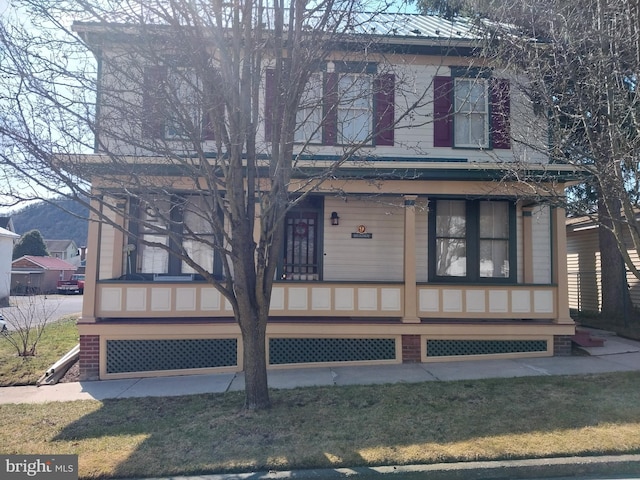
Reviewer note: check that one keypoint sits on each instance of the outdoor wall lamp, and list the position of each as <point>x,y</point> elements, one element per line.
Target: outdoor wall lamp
<point>335,219</point>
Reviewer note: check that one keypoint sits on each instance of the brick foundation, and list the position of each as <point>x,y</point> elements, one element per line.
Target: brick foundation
<point>89,357</point>
<point>411,352</point>
<point>561,345</point>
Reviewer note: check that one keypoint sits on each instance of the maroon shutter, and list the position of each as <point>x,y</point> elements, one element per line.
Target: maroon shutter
<point>442,110</point>
<point>500,114</point>
<point>384,88</point>
<point>269,100</point>
<point>215,106</point>
<point>154,102</point>
<point>330,120</point>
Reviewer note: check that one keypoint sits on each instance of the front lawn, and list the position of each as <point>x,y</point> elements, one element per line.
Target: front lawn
<point>335,426</point>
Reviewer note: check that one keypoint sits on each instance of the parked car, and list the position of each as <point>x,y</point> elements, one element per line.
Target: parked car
<point>3,325</point>
<point>74,285</point>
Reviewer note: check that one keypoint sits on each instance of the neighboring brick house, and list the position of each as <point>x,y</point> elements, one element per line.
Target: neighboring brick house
<point>444,263</point>
<point>32,274</point>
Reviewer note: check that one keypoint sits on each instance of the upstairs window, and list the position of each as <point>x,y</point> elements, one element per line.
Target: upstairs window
<point>357,105</point>
<point>471,111</point>
<point>184,113</point>
<point>173,104</point>
<point>355,108</point>
<point>309,114</point>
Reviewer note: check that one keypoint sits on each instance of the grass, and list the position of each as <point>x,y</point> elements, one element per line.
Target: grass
<point>335,426</point>
<point>58,338</point>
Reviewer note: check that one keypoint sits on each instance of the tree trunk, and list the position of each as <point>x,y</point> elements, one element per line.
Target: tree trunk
<point>616,301</point>
<point>255,360</point>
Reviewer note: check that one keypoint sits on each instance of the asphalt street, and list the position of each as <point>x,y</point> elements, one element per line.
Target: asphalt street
<point>47,308</point>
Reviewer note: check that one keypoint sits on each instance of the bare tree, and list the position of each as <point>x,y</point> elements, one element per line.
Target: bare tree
<point>182,164</point>
<point>26,319</point>
<point>580,63</point>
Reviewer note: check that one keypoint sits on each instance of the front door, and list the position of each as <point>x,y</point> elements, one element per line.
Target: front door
<point>301,243</point>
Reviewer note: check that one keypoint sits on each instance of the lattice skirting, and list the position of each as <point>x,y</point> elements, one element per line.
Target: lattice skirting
<point>451,348</point>
<point>322,350</point>
<point>129,356</point>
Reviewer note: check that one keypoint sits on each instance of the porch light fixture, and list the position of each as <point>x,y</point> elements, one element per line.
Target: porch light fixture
<point>335,219</point>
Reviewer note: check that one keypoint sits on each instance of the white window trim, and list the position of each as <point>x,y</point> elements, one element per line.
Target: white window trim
<point>459,113</point>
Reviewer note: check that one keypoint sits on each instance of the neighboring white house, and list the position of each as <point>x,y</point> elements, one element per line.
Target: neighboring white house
<point>6,250</point>
<point>66,250</point>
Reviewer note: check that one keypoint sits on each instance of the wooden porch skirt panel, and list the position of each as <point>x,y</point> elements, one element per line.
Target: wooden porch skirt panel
<point>133,349</point>
<point>318,299</point>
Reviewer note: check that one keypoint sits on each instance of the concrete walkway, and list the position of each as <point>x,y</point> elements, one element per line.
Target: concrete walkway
<point>617,355</point>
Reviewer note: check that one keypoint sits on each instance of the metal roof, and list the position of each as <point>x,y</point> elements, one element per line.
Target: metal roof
<point>416,26</point>
<point>390,25</point>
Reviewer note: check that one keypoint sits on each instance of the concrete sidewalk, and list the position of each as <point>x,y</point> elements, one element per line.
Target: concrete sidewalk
<point>617,355</point>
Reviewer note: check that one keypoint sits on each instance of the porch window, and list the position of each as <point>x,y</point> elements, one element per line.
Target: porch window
<point>198,239</point>
<point>472,240</point>
<point>153,257</point>
<point>179,223</point>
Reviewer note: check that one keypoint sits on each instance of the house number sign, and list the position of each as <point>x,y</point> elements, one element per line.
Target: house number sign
<point>361,233</point>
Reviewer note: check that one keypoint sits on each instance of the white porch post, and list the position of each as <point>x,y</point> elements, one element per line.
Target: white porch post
<point>560,275</point>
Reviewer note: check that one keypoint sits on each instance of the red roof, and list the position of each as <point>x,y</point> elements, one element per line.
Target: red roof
<point>47,263</point>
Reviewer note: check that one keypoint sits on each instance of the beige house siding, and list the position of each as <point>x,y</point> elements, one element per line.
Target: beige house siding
<point>583,268</point>
<point>541,243</point>
<point>383,218</point>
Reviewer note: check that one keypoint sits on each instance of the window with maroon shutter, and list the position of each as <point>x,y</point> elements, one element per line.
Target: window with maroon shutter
<point>330,117</point>
<point>154,102</point>
<point>173,104</point>
<point>384,123</point>
<point>500,114</point>
<point>309,114</point>
<point>269,101</point>
<point>214,107</point>
<point>442,110</point>
<point>471,112</point>
<point>357,106</point>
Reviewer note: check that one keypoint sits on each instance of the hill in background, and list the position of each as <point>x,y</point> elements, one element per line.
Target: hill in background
<point>54,221</point>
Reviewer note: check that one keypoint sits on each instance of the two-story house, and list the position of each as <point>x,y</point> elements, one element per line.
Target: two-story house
<point>421,249</point>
